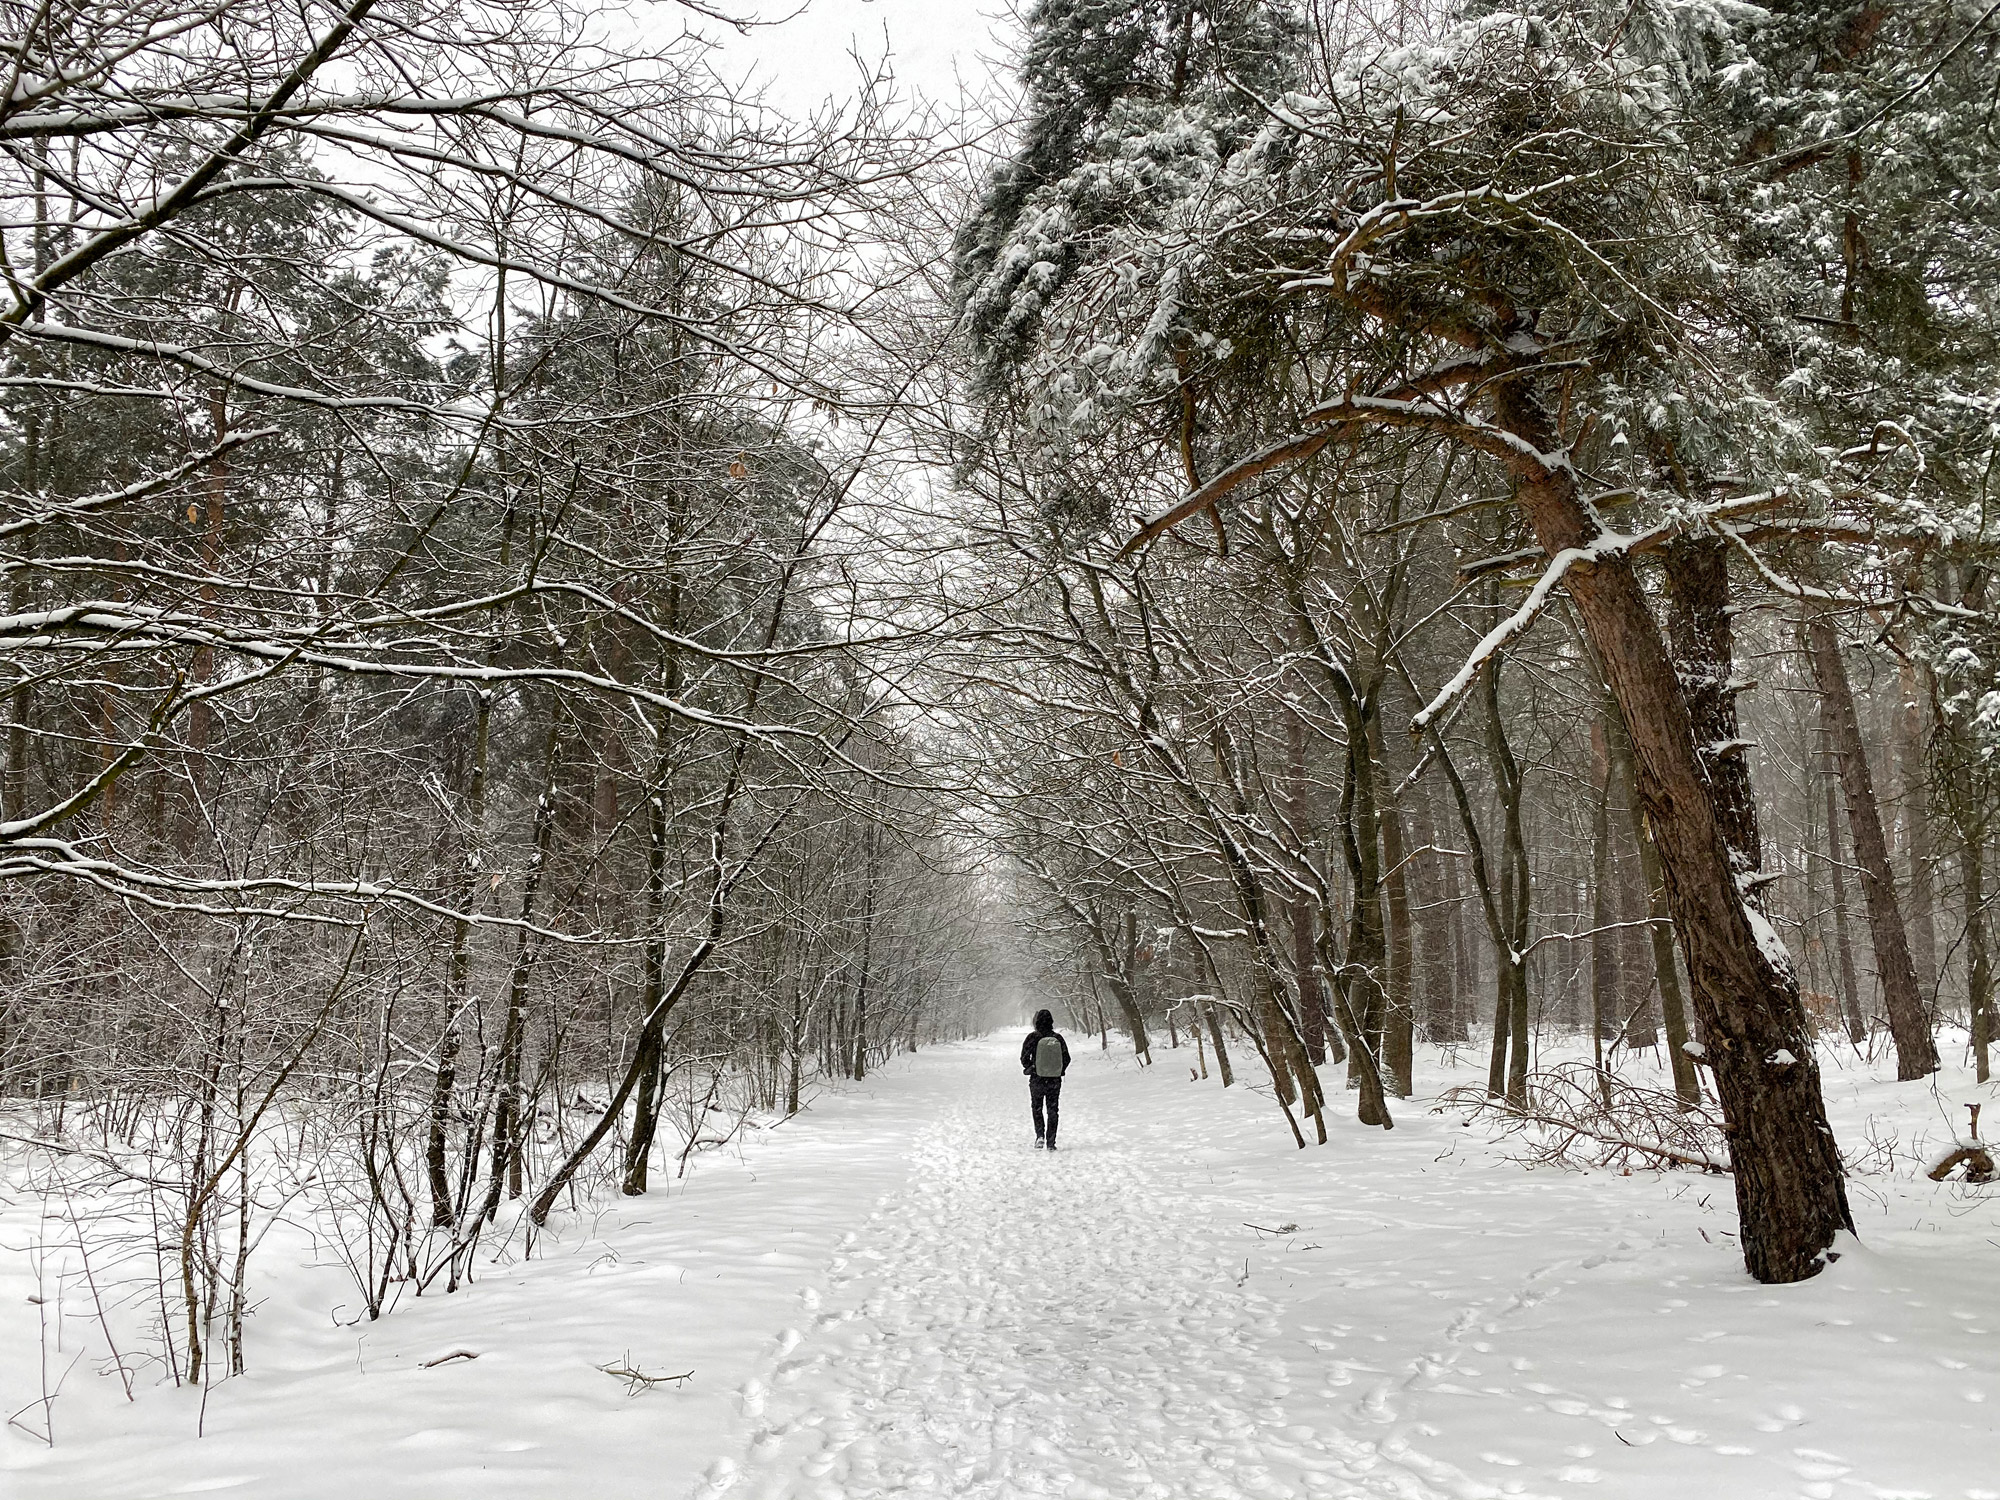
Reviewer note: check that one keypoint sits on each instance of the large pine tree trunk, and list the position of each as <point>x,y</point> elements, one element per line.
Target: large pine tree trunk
<point>1790,1190</point>
<point>1909,1023</point>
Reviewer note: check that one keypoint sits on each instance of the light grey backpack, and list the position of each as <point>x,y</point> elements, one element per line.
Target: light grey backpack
<point>1048,1057</point>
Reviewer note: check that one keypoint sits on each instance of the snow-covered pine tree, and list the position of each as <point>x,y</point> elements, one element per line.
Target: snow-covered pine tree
<point>1132,104</point>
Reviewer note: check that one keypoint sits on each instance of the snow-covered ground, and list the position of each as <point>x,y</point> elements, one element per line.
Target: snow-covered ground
<point>894,1295</point>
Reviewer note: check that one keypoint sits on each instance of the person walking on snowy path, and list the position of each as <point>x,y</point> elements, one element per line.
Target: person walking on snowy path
<point>1045,1058</point>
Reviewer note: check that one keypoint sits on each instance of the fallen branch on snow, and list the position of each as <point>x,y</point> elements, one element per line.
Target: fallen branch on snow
<point>1578,1116</point>
<point>637,1380</point>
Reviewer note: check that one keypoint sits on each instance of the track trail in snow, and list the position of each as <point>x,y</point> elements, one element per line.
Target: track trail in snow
<point>1012,1324</point>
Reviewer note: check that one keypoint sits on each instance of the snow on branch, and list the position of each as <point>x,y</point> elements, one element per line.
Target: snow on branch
<point>275,898</point>
<point>1608,544</point>
<point>72,510</point>
<point>1810,594</point>
<point>1290,450</point>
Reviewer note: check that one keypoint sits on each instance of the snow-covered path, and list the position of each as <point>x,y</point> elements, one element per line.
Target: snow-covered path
<point>1013,1323</point>
<point>894,1295</point>
<point>1178,1305</point>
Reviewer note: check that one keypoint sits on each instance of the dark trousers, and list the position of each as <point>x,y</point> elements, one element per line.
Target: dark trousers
<point>1045,1092</point>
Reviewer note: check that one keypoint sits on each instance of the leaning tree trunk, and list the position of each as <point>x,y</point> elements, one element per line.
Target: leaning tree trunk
<point>1909,1024</point>
<point>1790,1190</point>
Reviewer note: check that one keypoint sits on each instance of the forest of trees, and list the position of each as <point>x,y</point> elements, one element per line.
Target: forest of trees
<point>550,609</point>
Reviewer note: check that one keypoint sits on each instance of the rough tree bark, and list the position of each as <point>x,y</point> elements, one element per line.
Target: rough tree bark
<point>1790,1188</point>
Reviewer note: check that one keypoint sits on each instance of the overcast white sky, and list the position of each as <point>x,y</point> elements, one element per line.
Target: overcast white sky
<point>935,45</point>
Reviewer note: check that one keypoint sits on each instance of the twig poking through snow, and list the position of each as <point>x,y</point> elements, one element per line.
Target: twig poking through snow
<point>638,1381</point>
